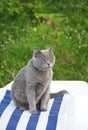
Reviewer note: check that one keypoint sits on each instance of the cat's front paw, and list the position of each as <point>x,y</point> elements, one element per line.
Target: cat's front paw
<point>33,111</point>
<point>22,108</point>
<point>44,108</point>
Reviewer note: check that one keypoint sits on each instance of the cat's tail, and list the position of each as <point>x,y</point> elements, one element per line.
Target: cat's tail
<point>58,94</point>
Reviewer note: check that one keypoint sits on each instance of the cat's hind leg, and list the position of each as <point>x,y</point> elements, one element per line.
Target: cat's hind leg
<point>22,106</point>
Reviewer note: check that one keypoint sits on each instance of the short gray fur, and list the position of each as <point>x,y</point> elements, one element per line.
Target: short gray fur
<point>31,86</point>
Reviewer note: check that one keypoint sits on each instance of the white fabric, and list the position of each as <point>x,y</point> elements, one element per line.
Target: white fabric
<point>73,112</point>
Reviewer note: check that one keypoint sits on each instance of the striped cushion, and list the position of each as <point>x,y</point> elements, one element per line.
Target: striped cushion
<point>11,118</point>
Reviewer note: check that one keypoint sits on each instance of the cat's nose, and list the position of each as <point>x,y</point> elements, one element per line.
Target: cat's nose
<point>48,63</point>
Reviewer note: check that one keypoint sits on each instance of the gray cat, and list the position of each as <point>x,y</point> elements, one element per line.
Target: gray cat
<point>31,87</point>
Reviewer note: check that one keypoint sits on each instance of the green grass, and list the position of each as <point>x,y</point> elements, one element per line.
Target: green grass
<point>69,34</point>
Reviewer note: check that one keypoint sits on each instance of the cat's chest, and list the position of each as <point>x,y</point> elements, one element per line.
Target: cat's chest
<point>45,75</point>
<point>43,80</point>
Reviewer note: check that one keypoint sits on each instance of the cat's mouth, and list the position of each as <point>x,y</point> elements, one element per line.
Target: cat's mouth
<point>49,66</point>
<point>44,68</point>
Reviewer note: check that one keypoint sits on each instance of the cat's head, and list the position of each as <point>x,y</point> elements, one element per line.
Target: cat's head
<point>43,59</point>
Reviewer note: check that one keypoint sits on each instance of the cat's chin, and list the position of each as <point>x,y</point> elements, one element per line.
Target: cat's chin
<point>44,69</point>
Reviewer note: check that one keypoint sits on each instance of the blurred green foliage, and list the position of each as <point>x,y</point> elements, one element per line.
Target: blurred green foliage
<point>37,23</point>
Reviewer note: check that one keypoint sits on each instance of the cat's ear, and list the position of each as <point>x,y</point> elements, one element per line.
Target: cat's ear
<point>52,49</point>
<point>36,51</point>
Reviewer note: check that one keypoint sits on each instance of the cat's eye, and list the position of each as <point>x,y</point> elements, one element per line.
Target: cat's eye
<point>51,59</point>
<point>44,59</point>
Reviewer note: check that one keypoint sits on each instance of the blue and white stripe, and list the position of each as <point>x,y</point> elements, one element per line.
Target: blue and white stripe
<point>11,118</point>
